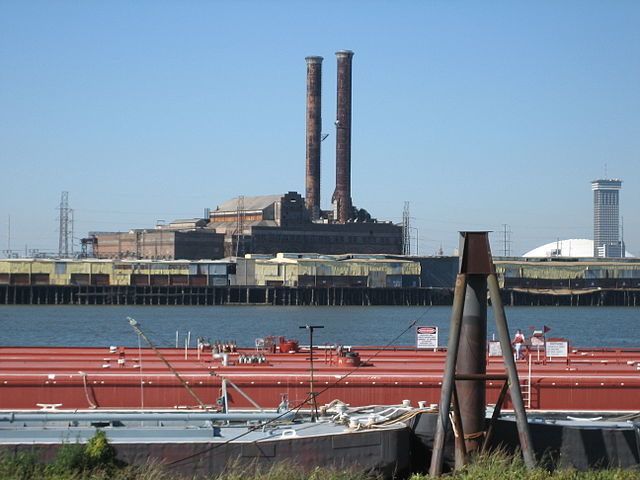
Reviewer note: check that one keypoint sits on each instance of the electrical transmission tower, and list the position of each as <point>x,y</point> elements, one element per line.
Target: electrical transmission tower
<point>239,223</point>
<point>65,240</point>
<point>406,230</point>
<point>506,240</point>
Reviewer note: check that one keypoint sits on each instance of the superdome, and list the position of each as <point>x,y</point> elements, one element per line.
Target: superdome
<point>574,248</point>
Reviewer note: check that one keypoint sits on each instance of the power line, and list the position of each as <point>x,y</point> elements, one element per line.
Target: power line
<point>239,224</point>
<point>506,240</point>
<point>406,230</point>
<point>65,239</point>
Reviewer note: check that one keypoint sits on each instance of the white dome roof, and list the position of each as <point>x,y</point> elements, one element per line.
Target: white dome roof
<point>573,247</point>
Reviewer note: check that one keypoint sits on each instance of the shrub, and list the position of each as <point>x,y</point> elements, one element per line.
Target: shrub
<point>99,452</point>
<point>23,466</point>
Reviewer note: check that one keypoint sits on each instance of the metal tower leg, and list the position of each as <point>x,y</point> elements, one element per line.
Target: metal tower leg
<point>512,372</point>
<point>449,374</point>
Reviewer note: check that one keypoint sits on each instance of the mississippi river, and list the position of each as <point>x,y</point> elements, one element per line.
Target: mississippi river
<point>106,325</point>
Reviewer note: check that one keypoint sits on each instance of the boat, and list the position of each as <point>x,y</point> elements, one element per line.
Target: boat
<point>578,442</point>
<point>279,371</point>
<point>374,439</point>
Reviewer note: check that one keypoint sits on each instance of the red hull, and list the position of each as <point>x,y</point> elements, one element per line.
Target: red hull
<point>79,378</point>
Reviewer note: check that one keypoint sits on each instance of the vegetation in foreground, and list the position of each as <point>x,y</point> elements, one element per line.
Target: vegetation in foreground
<point>97,461</point>
<point>500,465</point>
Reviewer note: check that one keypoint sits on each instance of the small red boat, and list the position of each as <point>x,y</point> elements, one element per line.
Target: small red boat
<point>264,377</point>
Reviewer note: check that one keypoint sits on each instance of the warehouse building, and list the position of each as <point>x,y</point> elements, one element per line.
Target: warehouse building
<point>304,270</point>
<point>283,270</point>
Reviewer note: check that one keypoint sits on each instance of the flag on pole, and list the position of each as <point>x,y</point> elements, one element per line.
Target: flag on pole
<point>546,329</point>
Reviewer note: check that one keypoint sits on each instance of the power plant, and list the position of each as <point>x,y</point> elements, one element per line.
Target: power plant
<point>282,222</point>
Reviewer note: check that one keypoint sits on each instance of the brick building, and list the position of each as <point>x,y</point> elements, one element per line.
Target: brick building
<point>280,223</point>
<point>159,243</point>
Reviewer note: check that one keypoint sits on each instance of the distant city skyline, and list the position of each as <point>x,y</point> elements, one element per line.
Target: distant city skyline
<point>483,116</point>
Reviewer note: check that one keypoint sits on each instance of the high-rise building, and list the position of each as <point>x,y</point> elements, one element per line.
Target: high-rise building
<point>606,218</point>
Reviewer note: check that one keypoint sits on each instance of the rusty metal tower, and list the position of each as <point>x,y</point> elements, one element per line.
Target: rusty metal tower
<point>463,383</point>
<point>314,136</point>
<point>342,195</point>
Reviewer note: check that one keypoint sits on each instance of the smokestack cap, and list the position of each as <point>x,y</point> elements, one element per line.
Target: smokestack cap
<point>344,53</point>
<point>314,59</point>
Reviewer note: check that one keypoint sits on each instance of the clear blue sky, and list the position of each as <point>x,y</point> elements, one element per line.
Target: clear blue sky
<point>479,113</point>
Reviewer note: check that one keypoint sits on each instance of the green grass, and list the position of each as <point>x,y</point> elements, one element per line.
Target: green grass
<point>500,465</point>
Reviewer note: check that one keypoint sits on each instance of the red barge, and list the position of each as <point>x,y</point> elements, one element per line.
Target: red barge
<point>133,378</point>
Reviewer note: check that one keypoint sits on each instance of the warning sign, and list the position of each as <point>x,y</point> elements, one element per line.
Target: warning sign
<point>427,337</point>
<point>557,349</point>
<point>495,349</point>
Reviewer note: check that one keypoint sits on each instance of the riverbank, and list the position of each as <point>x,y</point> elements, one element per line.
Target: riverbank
<point>75,464</point>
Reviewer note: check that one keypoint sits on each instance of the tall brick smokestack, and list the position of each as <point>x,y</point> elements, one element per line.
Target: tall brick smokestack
<point>342,194</point>
<point>314,133</point>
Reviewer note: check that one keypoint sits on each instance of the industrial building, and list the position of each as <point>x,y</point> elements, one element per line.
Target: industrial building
<point>275,223</point>
<point>283,270</point>
<point>185,240</point>
<point>287,269</point>
<point>289,223</point>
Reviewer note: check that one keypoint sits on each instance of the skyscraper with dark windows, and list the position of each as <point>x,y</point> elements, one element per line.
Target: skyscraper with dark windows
<point>606,218</point>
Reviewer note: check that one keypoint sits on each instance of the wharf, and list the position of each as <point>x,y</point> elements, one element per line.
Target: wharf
<point>299,296</point>
<point>220,295</point>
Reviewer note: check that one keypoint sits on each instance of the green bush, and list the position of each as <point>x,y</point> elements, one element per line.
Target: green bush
<point>23,466</point>
<point>70,457</point>
<point>99,453</point>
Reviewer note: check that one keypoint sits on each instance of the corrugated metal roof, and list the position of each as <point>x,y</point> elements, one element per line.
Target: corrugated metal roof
<point>250,203</point>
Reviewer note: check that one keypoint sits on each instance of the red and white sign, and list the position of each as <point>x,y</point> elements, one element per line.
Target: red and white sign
<point>427,337</point>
